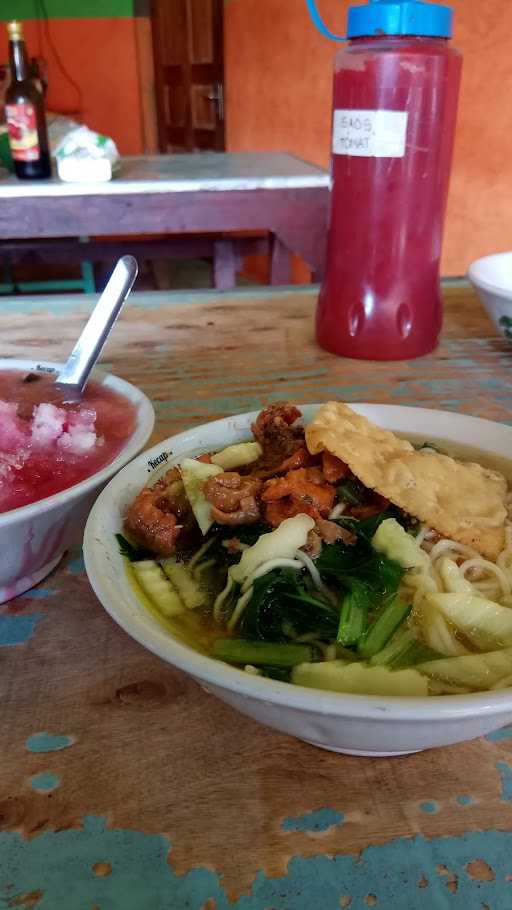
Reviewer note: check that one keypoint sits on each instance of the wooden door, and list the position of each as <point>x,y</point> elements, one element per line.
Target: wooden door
<point>189,71</point>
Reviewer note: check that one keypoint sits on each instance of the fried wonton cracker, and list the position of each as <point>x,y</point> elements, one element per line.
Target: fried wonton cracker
<point>462,501</point>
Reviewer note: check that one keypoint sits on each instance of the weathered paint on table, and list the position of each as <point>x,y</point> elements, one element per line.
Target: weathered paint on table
<point>183,194</point>
<point>123,785</point>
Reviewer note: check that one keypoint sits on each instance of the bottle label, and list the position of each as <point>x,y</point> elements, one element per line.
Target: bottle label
<point>369,134</point>
<point>22,129</point>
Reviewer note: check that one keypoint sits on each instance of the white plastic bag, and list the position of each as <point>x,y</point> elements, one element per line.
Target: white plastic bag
<point>84,156</point>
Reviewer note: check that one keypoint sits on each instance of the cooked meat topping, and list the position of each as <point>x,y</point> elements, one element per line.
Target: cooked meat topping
<point>313,546</point>
<point>274,430</point>
<point>330,532</point>
<point>170,494</point>
<point>233,498</point>
<point>304,490</point>
<point>149,525</point>
<point>333,469</point>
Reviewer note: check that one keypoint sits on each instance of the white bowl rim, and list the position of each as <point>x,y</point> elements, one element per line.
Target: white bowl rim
<point>142,432</point>
<point>209,670</point>
<point>490,286</point>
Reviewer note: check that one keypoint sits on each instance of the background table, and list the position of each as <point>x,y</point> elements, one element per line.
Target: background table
<point>123,785</point>
<point>182,194</point>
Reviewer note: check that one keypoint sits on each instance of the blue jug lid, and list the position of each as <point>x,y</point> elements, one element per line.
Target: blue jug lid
<point>400,17</point>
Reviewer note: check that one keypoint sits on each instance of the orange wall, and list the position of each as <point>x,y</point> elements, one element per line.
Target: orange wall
<point>100,55</point>
<point>278,94</point>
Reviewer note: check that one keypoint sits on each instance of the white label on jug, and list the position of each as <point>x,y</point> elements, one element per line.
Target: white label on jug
<point>369,134</point>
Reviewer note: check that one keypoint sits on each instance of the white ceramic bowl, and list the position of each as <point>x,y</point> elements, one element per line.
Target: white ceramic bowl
<point>34,537</point>
<point>355,724</point>
<point>491,277</point>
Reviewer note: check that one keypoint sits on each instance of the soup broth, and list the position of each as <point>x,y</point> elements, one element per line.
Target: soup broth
<point>199,631</point>
<point>387,606</point>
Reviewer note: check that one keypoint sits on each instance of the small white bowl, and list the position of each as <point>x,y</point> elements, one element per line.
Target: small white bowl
<point>491,277</point>
<point>34,537</point>
<point>355,724</point>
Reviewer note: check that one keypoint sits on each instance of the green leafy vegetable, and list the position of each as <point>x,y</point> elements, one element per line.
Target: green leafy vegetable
<point>244,533</point>
<point>221,534</point>
<point>364,528</point>
<point>352,491</point>
<point>133,554</point>
<point>282,674</point>
<point>367,527</point>
<point>281,608</point>
<point>238,651</point>
<point>381,630</point>
<point>368,578</point>
<point>354,613</point>
<point>342,565</point>
<point>402,650</point>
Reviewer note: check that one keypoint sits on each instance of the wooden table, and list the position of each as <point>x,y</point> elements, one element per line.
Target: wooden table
<point>210,192</point>
<point>123,785</point>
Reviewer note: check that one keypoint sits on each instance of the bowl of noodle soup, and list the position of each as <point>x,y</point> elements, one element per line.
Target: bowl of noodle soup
<point>458,593</point>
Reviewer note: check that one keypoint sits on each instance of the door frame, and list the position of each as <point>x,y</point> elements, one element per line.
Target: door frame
<point>146,83</point>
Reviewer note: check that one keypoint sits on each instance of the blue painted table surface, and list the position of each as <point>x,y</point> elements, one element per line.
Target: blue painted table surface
<point>125,786</point>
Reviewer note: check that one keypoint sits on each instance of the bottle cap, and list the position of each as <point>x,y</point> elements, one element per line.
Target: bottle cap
<point>400,17</point>
<point>15,30</point>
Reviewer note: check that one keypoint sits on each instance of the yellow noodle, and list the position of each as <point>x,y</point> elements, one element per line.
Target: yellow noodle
<point>441,573</point>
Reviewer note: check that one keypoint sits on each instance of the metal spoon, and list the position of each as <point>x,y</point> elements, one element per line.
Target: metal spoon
<point>72,380</point>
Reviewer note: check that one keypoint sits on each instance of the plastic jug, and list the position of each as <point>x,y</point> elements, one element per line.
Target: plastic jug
<point>396,86</point>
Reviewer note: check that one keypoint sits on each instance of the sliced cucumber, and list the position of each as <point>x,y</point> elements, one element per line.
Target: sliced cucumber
<point>359,678</point>
<point>472,671</point>
<point>393,541</point>
<point>157,587</point>
<point>189,590</point>
<point>237,455</point>
<point>483,622</point>
<point>437,687</point>
<point>194,474</point>
<point>437,632</point>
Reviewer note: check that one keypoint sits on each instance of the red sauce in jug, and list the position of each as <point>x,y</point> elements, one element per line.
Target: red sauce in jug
<point>380,298</point>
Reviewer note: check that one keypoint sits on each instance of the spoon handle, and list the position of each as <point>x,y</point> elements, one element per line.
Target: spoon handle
<point>90,343</point>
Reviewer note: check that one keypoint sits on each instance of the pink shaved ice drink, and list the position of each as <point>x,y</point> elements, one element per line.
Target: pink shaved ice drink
<point>48,445</point>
